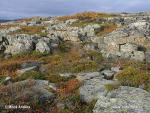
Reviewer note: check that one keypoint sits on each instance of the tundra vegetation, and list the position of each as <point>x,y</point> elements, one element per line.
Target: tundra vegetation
<point>65,62</point>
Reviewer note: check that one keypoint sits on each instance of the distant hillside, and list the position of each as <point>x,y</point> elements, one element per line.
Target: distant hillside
<point>3,20</point>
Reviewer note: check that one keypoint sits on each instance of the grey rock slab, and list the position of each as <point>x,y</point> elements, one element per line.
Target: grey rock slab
<point>32,90</point>
<point>30,64</point>
<point>42,83</point>
<point>21,71</point>
<point>116,69</point>
<point>128,47</point>
<point>92,88</point>
<point>87,76</point>
<point>138,55</point>
<point>147,56</point>
<point>124,99</point>
<point>67,75</point>
<point>42,47</point>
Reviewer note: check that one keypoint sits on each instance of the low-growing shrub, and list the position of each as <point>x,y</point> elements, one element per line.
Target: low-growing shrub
<point>9,67</point>
<point>76,105</point>
<point>69,87</point>
<point>39,54</point>
<point>55,78</point>
<point>65,46</point>
<point>84,66</point>
<point>31,75</point>
<point>144,78</point>
<point>131,76</point>
<point>65,110</point>
<point>2,78</point>
<point>96,56</point>
<point>83,23</point>
<point>85,16</point>
<point>43,34</point>
<point>31,30</point>
<point>105,29</point>
<point>80,107</point>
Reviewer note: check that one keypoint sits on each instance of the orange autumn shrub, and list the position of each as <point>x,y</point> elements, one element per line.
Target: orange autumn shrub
<point>108,28</point>
<point>6,26</point>
<point>84,15</point>
<point>69,87</point>
<point>9,66</point>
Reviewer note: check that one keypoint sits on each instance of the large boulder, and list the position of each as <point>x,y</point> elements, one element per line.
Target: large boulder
<point>142,26</point>
<point>29,91</point>
<point>125,41</point>
<point>124,99</point>
<point>42,47</point>
<point>19,47</point>
<point>19,44</point>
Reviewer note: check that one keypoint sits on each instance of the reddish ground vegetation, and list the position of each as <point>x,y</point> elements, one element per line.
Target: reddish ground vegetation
<point>84,15</point>
<point>69,87</point>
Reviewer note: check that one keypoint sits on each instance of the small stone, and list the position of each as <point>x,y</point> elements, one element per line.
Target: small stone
<point>116,69</point>
<point>67,75</point>
<point>22,71</point>
<point>108,74</point>
<point>53,86</point>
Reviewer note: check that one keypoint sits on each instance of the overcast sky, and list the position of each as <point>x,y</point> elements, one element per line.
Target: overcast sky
<point>28,8</point>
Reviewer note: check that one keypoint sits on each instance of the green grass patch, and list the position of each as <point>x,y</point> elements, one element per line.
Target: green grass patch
<point>31,75</point>
<point>131,76</point>
<point>111,87</point>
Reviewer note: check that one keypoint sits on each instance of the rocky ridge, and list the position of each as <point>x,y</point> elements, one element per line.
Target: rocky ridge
<point>129,40</point>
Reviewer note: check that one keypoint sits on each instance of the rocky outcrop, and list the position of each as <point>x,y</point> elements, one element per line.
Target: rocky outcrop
<point>19,44</point>
<point>28,88</point>
<point>19,47</point>
<point>113,99</point>
<point>124,99</point>
<point>93,86</point>
<point>25,43</point>
<point>132,41</point>
<point>75,34</point>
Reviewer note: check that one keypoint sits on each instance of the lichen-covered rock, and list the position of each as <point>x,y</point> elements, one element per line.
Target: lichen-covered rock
<point>124,99</point>
<point>125,40</point>
<point>138,55</point>
<point>29,90</point>
<point>93,85</point>
<point>42,47</point>
<point>147,55</point>
<point>128,47</point>
<point>19,47</point>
